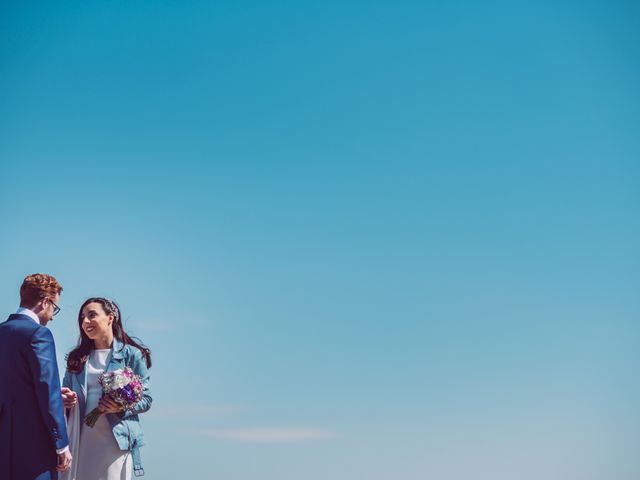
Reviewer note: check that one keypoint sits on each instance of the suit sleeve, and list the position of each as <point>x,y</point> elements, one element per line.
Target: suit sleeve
<point>66,381</point>
<point>46,380</point>
<point>139,367</point>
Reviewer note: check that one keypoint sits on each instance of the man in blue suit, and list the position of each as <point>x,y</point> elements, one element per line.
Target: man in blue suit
<point>33,434</point>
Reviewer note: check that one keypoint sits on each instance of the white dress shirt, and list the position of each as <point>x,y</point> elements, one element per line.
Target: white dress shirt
<point>29,313</point>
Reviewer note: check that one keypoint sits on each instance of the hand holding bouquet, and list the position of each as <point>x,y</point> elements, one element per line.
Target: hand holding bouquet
<point>122,386</point>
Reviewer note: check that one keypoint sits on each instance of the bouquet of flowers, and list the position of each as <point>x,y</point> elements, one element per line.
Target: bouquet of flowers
<point>122,386</point>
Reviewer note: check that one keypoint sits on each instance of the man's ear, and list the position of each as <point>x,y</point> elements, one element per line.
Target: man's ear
<point>38,305</point>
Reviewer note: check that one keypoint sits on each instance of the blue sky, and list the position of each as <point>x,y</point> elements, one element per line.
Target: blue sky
<point>381,240</point>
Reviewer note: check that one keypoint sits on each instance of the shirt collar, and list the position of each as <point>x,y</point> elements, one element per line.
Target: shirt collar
<point>28,313</point>
<point>116,349</point>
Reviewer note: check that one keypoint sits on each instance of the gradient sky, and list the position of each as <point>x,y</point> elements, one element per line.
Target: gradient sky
<point>364,240</point>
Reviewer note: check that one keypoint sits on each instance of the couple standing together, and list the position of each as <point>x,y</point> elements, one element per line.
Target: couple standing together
<point>42,429</point>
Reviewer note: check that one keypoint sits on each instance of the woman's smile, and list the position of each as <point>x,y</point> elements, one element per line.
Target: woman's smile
<point>97,324</point>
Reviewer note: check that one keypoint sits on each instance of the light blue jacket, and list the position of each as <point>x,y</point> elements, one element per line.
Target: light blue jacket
<point>125,426</point>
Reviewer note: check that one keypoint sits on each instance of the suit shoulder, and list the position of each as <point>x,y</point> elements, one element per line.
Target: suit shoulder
<point>42,333</point>
<point>19,327</point>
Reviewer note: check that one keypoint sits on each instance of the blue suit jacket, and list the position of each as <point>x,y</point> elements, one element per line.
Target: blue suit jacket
<point>32,423</point>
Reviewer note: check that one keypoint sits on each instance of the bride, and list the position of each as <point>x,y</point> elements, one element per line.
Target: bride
<point>109,450</point>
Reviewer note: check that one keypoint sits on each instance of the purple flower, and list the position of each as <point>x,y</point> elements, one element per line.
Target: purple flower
<point>128,394</point>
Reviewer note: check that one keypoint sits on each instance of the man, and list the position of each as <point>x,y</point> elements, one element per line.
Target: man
<point>33,435</point>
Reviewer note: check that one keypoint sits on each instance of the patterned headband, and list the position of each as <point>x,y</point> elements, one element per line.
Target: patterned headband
<point>113,308</point>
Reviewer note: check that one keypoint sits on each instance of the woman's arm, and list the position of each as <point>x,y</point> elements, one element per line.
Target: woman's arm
<point>139,366</point>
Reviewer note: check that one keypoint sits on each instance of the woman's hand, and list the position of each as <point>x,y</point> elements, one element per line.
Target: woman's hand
<point>69,397</point>
<point>106,405</point>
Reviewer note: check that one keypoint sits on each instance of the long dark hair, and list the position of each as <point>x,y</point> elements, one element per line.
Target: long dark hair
<point>77,357</point>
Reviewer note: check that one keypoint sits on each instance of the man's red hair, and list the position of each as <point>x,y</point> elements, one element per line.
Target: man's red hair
<point>37,286</point>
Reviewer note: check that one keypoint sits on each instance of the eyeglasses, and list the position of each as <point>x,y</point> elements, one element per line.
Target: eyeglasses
<point>56,308</point>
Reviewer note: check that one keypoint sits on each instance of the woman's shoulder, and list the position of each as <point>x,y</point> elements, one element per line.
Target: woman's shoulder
<point>134,357</point>
<point>131,351</point>
<point>131,354</point>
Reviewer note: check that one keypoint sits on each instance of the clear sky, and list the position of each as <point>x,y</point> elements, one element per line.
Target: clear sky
<point>364,240</point>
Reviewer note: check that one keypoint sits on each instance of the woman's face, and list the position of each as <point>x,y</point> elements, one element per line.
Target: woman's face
<point>95,322</point>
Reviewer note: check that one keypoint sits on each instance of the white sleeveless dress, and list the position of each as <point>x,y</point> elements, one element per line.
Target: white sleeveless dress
<point>100,458</point>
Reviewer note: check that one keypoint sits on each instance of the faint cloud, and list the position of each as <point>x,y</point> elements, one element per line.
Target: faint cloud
<point>270,435</point>
<point>151,325</point>
<point>201,410</point>
<point>161,325</point>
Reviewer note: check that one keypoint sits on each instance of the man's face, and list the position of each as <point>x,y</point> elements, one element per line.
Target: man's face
<point>48,309</point>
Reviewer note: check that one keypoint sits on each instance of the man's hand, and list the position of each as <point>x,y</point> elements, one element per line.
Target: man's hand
<point>106,405</point>
<point>69,397</point>
<point>64,461</point>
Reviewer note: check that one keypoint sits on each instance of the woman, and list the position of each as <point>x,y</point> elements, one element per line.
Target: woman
<point>109,449</point>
